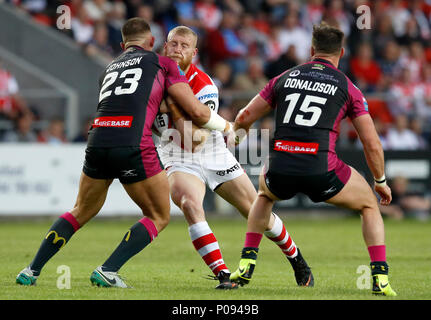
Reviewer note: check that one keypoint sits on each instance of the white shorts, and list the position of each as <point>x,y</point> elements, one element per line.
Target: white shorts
<point>212,173</point>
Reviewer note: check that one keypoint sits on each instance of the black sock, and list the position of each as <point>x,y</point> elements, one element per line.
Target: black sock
<point>379,267</point>
<point>249,253</point>
<point>136,239</point>
<point>56,238</point>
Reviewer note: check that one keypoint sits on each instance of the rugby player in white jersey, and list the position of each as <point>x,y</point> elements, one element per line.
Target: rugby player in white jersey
<point>190,169</point>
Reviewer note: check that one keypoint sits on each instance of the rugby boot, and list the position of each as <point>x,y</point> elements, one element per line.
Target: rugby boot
<point>303,275</point>
<point>26,277</point>
<point>225,282</point>
<point>379,273</point>
<point>107,279</point>
<point>243,274</point>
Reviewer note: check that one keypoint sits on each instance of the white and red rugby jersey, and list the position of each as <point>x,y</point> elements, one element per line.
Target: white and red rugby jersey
<point>207,93</point>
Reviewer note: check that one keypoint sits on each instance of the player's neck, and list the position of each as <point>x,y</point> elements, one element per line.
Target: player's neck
<point>187,68</point>
<point>334,60</point>
<point>138,44</point>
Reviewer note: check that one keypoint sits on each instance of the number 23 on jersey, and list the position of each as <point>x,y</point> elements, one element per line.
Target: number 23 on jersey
<point>128,85</point>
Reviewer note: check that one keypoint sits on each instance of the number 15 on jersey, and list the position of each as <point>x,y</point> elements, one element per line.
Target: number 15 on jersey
<point>305,107</point>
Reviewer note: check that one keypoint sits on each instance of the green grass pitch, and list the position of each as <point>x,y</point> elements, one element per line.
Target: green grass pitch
<point>170,268</point>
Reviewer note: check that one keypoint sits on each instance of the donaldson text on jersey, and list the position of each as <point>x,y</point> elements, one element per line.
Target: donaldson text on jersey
<point>310,86</point>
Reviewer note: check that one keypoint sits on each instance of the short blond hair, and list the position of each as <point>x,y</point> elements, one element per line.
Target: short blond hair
<point>183,31</point>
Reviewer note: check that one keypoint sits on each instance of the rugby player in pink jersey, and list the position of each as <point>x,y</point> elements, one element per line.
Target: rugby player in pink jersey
<point>120,146</point>
<point>213,165</point>
<point>308,102</point>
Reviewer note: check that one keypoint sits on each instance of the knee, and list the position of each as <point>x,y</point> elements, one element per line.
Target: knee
<point>262,194</point>
<point>190,206</point>
<point>369,205</point>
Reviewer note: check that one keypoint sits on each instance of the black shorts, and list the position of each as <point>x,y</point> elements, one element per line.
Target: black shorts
<point>318,188</point>
<point>128,164</point>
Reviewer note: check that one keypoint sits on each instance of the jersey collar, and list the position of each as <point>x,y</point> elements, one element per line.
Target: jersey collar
<point>134,46</point>
<point>191,71</point>
<point>321,60</point>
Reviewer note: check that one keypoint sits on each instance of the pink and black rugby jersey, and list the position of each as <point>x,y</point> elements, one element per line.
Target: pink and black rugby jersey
<point>310,100</point>
<point>131,89</point>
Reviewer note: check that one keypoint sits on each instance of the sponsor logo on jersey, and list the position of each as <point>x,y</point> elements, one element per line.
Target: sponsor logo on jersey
<point>213,95</point>
<point>294,73</point>
<point>230,170</point>
<point>211,104</point>
<point>296,147</point>
<point>318,66</point>
<point>113,122</point>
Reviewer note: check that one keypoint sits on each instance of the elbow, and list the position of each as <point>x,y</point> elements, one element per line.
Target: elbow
<point>241,119</point>
<point>239,122</point>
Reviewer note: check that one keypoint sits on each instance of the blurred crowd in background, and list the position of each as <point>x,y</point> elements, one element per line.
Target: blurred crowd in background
<point>242,44</point>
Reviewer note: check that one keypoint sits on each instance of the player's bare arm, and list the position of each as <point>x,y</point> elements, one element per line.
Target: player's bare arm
<point>374,155</point>
<point>164,106</point>
<point>200,114</point>
<point>191,134</point>
<point>255,109</point>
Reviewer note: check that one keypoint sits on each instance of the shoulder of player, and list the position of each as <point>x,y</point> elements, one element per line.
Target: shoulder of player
<point>170,67</point>
<point>199,76</point>
<point>199,80</point>
<point>284,73</point>
<point>345,83</point>
<point>131,57</point>
<point>165,61</point>
<point>352,89</point>
<point>278,79</point>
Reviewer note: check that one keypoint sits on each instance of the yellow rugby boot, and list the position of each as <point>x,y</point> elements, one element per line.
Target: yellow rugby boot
<point>243,274</point>
<point>381,286</point>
